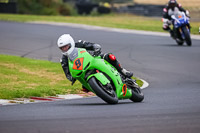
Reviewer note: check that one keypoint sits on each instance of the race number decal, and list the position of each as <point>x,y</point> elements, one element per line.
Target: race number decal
<point>78,64</point>
<point>124,89</point>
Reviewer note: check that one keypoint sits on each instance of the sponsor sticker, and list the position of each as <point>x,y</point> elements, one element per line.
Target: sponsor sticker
<point>124,89</point>
<point>78,64</point>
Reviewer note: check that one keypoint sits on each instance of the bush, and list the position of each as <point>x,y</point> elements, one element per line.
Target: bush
<point>63,9</point>
<point>44,7</point>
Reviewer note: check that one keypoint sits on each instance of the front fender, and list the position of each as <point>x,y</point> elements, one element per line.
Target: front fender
<point>99,76</point>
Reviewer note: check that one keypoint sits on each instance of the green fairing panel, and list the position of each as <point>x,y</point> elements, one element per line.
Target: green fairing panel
<point>84,62</point>
<point>100,77</point>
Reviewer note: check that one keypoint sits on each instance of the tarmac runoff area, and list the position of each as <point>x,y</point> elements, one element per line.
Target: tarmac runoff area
<point>53,98</point>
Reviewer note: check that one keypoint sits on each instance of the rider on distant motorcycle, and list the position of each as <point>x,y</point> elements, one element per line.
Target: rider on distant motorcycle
<point>168,11</point>
<point>67,45</point>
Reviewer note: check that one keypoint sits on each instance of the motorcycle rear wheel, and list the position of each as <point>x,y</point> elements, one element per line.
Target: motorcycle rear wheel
<point>178,38</point>
<point>137,95</point>
<point>180,42</point>
<point>106,94</point>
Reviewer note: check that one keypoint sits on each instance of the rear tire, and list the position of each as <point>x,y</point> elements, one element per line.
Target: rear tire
<point>178,38</point>
<point>137,95</point>
<point>180,42</point>
<point>108,96</point>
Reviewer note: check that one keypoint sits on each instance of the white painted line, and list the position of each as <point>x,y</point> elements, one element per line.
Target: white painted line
<point>3,102</point>
<point>25,101</point>
<point>145,84</point>
<point>70,96</point>
<point>89,27</point>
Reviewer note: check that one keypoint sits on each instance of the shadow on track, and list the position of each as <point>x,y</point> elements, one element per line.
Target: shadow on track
<point>94,104</point>
<point>173,45</point>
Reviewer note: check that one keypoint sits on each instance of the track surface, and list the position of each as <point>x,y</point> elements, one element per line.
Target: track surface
<point>171,101</point>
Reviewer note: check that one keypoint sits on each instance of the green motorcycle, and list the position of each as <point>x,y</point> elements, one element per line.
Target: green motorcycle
<point>101,78</point>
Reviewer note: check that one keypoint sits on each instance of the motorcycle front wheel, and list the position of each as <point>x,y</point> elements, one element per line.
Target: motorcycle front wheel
<point>104,92</point>
<point>187,36</point>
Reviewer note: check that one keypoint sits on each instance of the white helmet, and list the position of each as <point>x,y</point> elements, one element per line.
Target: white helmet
<point>64,40</point>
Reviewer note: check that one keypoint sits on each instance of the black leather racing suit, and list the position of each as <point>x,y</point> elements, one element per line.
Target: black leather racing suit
<point>168,8</point>
<point>88,46</point>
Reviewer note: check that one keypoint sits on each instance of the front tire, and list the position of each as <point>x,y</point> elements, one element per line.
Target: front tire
<point>101,91</point>
<point>187,36</point>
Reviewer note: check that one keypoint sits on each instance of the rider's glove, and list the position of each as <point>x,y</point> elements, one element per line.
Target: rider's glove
<point>187,13</point>
<point>81,41</point>
<point>166,21</point>
<point>73,80</point>
<point>97,49</point>
<point>169,22</point>
<point>70,78</point>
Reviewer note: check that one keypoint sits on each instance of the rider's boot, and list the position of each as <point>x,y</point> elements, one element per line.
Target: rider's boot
<point>172,33</point>
<point>112,60</point>
<point>126,73</point>
<point>123,71</point>
<point>189,26</point>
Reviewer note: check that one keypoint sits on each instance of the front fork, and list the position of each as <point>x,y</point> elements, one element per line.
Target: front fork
<point>181,31</point>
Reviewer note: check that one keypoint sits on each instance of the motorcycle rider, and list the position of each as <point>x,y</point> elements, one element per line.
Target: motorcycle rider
<point>67,45</point>
<point>168,11</point>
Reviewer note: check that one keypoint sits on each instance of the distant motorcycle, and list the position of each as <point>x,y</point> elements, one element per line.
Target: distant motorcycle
<point>181,28</point>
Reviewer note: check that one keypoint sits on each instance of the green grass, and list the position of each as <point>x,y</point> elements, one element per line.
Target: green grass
<point>124,21</point>
<point>24,77</point>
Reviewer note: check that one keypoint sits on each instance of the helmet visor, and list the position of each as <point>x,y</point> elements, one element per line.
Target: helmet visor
<point>172,3</point>
<point>65,48</point>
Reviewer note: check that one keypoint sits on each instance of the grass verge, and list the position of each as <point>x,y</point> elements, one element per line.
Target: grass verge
<point>24,77</point>
<point>124,21</point>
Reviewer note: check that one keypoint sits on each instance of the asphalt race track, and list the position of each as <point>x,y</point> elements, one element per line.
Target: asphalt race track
<point>171,102</point>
